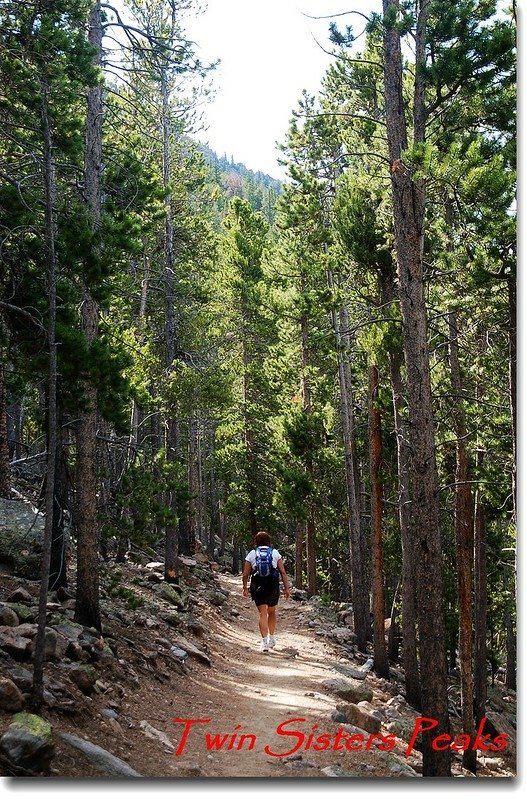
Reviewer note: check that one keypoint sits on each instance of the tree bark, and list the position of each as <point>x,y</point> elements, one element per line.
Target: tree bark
<point>310,534</point>
<point>408,584</point>
<point>360,593</point>
<point>380,658</point>
<point>464,535</point>
<point>408,215</point>
<point>87,609</point>
<point>5,469</point>
<point>50,191</point>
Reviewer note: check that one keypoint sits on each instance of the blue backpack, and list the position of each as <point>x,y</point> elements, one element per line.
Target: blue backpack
<point>264,562</point>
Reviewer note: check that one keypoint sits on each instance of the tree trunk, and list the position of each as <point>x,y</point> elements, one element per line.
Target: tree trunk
<point>358,585</point>
<point>379,646</point>
<point>57,570</point>
<point>299,556</point>
<point>480,580</point>
<point>5,470</point>
<point>408,215</point>
<point>87,610</point>
<point>408,584</point>
<point>51,268</point>
<point>310,534</point>
<point>464,535</point>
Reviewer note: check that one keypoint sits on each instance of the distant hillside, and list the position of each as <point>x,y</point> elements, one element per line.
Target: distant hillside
<point>233,179</point>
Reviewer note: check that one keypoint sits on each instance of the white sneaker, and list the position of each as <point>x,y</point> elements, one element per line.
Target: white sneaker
<point>271,641</point>
<point>264,645</point>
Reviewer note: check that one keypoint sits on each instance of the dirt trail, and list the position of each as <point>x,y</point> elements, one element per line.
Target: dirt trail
<point>247,692</point>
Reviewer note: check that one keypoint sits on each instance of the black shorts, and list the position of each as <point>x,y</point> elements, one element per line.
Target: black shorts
<point>265,591</point>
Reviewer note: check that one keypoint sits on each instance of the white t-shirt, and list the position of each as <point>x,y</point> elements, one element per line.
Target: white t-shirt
<point>251,557</point>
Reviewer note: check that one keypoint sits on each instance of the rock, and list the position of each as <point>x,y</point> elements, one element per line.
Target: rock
<point>157,565</point>
<point>154,577</point>
<point>11,698</point>
<point>298,594</point>
<point>343,635</point>
<point>21,595</point>
<point>196,627</point>
<point>109,712</point>
<point>23,612</point>
<point>153,733</point>
<point>178,653</point>
<point>187,562</point>
<point>171,595</point>
<point>497,723</point>
<point>337,716</point>
<point>335,771</point>
<point>402,727</point>
<point>13,643</point>
<point>83,677</point>
<point>23,678</point>
<point>21,536</point>
<point>172,618</point>
<point>8,617</point>
<point>349,670</point>
<point>55,648</point>
<point>375,712</point>
<point>352,691</point>
<point>216,598</point>
<point>105,762</point>
<point>28,743</point>
<point>70,630</point>
<point>359,717</point>
<point>193,651</point>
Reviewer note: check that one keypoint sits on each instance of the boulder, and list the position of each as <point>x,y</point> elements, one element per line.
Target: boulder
<point>193,651</point>
<point>11,698</point>
<point>23,612</point>
<point>105,762</point>
<point>21,537</point>
<point>21,595</point>
<point>83,676</point>
<point>28,743</point>
<point>13,643</point>
<point>23,678</point>
<point>359,717</point>
<point>350,690</point>
<point>8,617</point>
<point>171,595</point>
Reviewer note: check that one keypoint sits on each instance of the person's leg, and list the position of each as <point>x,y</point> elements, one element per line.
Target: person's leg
<point>263,621</point>
<point>271,619</point>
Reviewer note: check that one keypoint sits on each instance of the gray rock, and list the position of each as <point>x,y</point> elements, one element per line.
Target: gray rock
<point>216,598</point>
<point>351,671</point>
<point>105,762</point>
<point>335,771</point>
<point>21,595</point>
<point>21,536</point>
<point>23,678</point>
<point>154,733</point>
<point>193,651</point>
<point>358,716</point>
<point>171,595</point>
<point>110,713</point>
<point>28,743</point>
<point>11,698</point>
<point>13,643</point>
<point>352,691</point>
<point>23,612</point>
<point>83,676</point>
<point>343,635</point>
<point>178,653</point>
<point>8,617</point>
<point>403,728</point>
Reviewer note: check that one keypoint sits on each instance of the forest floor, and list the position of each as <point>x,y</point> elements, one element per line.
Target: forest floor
<point>241,692</point>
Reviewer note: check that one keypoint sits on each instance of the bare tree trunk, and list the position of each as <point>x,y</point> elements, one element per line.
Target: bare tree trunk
<point>37,693</point>
<point>409,611</point>
<point>310,536</point>
<point>57,569</point>
<point>5,470</point>
<point>408,215</point>
<point>299,556</point>
<point>379,646</point>
<point>464,534</point>
<point>358,584</point>
<point>480,579</point>
<point>87,609</point>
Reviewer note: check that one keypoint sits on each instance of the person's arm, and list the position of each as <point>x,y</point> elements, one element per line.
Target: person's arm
<point>247,569</point>
<point>285,581</point>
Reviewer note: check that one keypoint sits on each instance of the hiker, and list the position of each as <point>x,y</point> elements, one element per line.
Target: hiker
<point>264,564</point>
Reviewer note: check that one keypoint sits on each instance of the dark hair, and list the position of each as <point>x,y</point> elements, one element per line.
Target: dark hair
<point>262,538</point>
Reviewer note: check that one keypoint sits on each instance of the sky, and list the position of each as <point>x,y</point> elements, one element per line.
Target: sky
<point>269,55</point>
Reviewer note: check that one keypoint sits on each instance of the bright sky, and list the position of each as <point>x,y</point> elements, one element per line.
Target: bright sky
<point>268,56</point>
